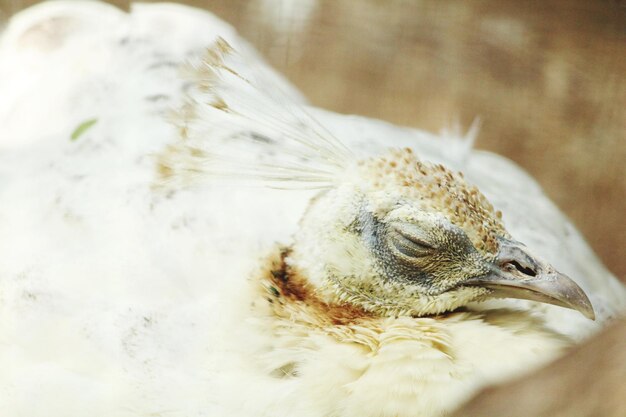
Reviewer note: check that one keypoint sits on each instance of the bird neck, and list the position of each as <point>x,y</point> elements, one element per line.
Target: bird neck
<point>290,294</point>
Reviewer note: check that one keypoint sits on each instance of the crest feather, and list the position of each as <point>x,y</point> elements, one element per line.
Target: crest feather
<point>238,124</point>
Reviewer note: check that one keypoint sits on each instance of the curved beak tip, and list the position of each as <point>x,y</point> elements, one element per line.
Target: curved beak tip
<point>590,314</point>
<point>566,293</point>
<point>585,307</point>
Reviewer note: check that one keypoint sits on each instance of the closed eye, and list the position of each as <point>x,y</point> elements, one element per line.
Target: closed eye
<point>409,244</point>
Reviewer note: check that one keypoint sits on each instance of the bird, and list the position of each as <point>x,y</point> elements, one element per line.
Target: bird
<point>187,237</point>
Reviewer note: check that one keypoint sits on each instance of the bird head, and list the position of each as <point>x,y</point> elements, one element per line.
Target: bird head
<point>400,236</point>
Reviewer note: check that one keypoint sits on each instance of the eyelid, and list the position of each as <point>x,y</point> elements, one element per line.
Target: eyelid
<point>408,244</point>
<point>408,247</point>
<point>404,231</point>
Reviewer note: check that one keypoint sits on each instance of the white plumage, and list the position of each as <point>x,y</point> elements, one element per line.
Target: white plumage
<point>119,299</point>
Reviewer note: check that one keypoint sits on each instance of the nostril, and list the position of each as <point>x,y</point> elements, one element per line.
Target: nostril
<point>520,268</point>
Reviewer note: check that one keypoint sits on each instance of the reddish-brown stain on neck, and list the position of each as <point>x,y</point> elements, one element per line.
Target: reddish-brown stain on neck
<point>285,284</point>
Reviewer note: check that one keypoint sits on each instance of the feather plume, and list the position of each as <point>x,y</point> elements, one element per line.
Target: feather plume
<point>237,124</point>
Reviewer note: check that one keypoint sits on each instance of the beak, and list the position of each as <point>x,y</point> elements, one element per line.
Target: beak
<point>515,273</point>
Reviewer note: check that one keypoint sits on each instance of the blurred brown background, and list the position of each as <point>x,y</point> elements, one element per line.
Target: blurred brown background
<point>547,78</point>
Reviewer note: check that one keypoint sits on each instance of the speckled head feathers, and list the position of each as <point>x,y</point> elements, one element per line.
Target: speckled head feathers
<point>435,188</point>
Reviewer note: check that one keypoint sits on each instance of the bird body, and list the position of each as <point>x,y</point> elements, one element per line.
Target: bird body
<point>125,292</point>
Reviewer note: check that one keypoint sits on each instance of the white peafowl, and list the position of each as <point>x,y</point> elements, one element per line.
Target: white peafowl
<point>183,236</point>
